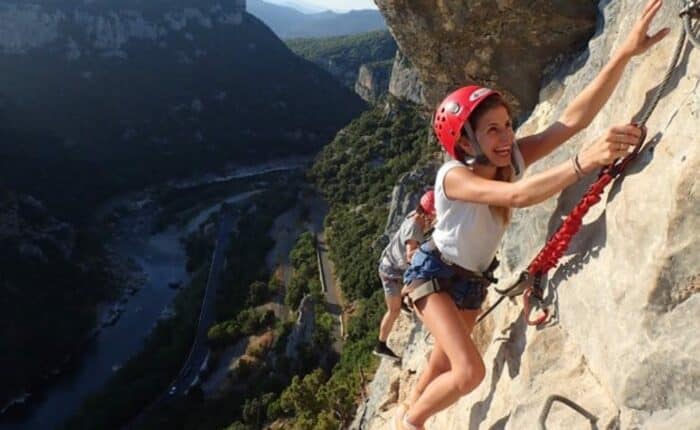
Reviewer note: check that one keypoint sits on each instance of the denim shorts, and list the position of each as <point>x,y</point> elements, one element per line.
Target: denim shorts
<point>427,264</point>
<point>391,279</point>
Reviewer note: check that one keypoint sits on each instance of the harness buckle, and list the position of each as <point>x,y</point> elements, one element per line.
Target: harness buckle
<point>415,291</point>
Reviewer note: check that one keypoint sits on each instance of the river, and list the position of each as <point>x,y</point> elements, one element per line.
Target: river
<point>161,261</point>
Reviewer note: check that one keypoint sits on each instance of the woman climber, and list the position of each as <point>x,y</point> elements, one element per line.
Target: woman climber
<point>474,194</point>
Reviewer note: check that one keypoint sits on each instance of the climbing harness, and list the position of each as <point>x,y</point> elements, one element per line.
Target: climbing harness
<point>529,284</point>
<point>420,288</point>
<point>557,398</point>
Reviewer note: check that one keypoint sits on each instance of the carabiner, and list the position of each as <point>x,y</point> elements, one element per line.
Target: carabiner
<point>524,281</point>
<point>527,308</point>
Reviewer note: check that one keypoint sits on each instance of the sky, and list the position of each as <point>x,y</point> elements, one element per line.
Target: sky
<point>334,5</point>
<point>344,5</point>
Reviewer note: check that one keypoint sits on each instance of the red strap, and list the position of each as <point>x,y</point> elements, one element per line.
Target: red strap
<point>555,247</point>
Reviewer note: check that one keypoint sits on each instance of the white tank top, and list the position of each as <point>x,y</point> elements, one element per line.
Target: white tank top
<point>466,233</point>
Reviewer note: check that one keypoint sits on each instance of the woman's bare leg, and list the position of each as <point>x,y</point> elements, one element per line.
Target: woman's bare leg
<point>438,362</point>
<point>437,365</point>
<point>449,326</point>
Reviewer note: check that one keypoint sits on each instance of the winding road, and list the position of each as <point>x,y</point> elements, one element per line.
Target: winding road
<point>199,353</point>
<point>334,298</point>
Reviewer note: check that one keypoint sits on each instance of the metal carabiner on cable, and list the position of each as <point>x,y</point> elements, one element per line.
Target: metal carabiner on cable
<point>518,287</point>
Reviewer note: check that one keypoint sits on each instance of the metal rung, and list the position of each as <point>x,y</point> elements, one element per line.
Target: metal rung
<point>557,398</point>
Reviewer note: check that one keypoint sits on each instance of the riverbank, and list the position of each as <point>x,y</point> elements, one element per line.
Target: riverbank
<point>154,264</point>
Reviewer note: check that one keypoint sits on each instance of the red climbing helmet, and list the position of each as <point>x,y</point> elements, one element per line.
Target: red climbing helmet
<point>427,202</point>
<point>453,114</point>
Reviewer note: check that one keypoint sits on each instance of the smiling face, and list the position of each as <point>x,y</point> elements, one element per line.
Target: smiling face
<point>494,131</point>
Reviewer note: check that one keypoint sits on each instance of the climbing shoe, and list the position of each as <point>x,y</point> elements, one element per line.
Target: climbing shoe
<point>381,350</point>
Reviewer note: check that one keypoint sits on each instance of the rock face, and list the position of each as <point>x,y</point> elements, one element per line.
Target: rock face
<point>407,193</point>
<point>624,343</point>
<point>404,199</point>
<point>303,328</point>
<point>373,80</point>
<point>505,43</point>
<point>405,81</point>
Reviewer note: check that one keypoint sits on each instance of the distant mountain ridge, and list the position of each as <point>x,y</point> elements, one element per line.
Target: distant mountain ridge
<point>301,6</point>
<point>288,22</point>
<point>343,56</point>
<point>104,96</point>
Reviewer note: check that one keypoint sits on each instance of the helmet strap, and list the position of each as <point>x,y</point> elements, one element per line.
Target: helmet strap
<point>479,156</point>
<point>514,161</point>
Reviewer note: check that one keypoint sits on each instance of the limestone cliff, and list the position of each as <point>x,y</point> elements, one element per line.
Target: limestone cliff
<point>504,43</point>
<point>624,342</point>
<point>405,81</point>
<point>373,80</point>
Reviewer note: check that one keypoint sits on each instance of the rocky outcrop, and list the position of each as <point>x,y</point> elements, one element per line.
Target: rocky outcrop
<point>406,194</point>
<point>506,44</point>
<point>623,344</point>
<point>373,80</point>
<point>405,81</point>
<point>303,328</point>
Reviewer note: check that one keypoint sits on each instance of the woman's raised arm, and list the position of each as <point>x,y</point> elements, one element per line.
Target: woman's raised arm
<point>463,184</point>
<point>581,111</point>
